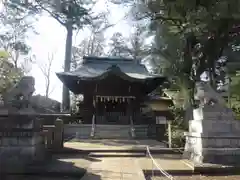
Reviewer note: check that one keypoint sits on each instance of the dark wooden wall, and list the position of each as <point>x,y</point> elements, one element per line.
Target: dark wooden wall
<point>113,86</point>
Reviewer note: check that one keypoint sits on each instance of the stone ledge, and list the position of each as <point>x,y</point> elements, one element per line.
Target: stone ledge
<point>210,168</point>
<point>212,135</point>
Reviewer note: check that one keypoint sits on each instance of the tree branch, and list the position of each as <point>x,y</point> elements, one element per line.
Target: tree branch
<point>55,16</point>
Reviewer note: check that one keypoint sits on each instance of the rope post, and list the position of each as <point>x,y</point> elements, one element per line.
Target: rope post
<point>152,169</point>
<point>169,134</point>
<point>154,163</point>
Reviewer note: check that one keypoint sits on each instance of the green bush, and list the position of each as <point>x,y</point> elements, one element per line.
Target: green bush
<point>178,127</point>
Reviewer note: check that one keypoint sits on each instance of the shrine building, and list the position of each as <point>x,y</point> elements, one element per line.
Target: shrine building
<point>114,90</point>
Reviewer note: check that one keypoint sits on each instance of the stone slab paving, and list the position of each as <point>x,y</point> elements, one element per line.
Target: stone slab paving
<point>168,162</point>
<point>114,169</point>
<point>108,144</point>
<point>199,177</point>
<point>173,162</point>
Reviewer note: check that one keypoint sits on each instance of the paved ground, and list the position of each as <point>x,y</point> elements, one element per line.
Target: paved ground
<point>168,162</point>
<point>197,177</point>
<point>175,163</point>
<point>155,178</point>
<point>95,144</point>
<point>114,169</point>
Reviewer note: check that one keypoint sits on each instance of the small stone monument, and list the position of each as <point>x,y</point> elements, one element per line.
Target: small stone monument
<point>214,134</point>
<point>21,141</point>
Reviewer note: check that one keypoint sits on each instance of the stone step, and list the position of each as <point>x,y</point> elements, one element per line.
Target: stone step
<point>117,154</point>
<point>112,129</point>
<point>111,134</point>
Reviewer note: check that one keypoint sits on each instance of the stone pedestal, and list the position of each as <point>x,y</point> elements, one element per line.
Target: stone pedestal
<point>213,137</point>
<point>21,143</point>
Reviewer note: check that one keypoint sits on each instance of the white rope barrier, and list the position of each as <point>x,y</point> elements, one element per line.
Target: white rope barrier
<point>166,174</point>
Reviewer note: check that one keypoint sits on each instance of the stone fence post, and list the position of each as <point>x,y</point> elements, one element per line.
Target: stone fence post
<point>58,134</point>
<point>38,141</point>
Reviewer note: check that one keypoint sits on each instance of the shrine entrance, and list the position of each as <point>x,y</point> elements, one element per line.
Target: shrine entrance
<point>113,110</point>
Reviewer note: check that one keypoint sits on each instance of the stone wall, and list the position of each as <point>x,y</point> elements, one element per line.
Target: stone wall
<point>213,137</point>
<point>21,143</point>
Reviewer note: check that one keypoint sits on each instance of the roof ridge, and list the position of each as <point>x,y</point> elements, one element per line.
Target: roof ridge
<point>109,59</point>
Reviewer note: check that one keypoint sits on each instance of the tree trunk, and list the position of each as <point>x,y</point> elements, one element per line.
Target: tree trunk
<point>47,90</point>
<point>67,63</point>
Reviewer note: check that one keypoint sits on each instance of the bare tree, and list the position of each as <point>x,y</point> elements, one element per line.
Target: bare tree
<point>46,69</point>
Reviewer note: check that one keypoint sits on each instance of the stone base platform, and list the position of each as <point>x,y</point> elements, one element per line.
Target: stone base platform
<point>221,156</point>
<point>100,144</point>
<point>213,169</point>
<point>215,148</point>
<point>86,146</point>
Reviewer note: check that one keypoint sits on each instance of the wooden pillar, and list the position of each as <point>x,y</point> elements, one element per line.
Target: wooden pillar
<point>94,112</point>
<point>130,117</point>
<point>94,117</point>
<point>129,110</point>
<point>169,134</point>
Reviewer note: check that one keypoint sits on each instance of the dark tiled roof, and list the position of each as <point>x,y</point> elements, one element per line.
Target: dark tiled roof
<point>96,67</point>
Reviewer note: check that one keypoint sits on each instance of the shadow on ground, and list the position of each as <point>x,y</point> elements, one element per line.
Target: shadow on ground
<point>56,168</point>
<point>186,173</point>
<point>46,177</point>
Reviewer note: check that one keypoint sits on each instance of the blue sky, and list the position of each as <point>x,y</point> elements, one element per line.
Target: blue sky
<point>51,39</point>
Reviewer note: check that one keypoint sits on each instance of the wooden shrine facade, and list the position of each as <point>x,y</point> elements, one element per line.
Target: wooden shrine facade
<point>113,89</point>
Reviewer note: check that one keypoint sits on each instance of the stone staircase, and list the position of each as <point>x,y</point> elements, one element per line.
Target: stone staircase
<point>141,131</point>
<point>104,131</point>
<point>112,131</point>
<point>79,131</point>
